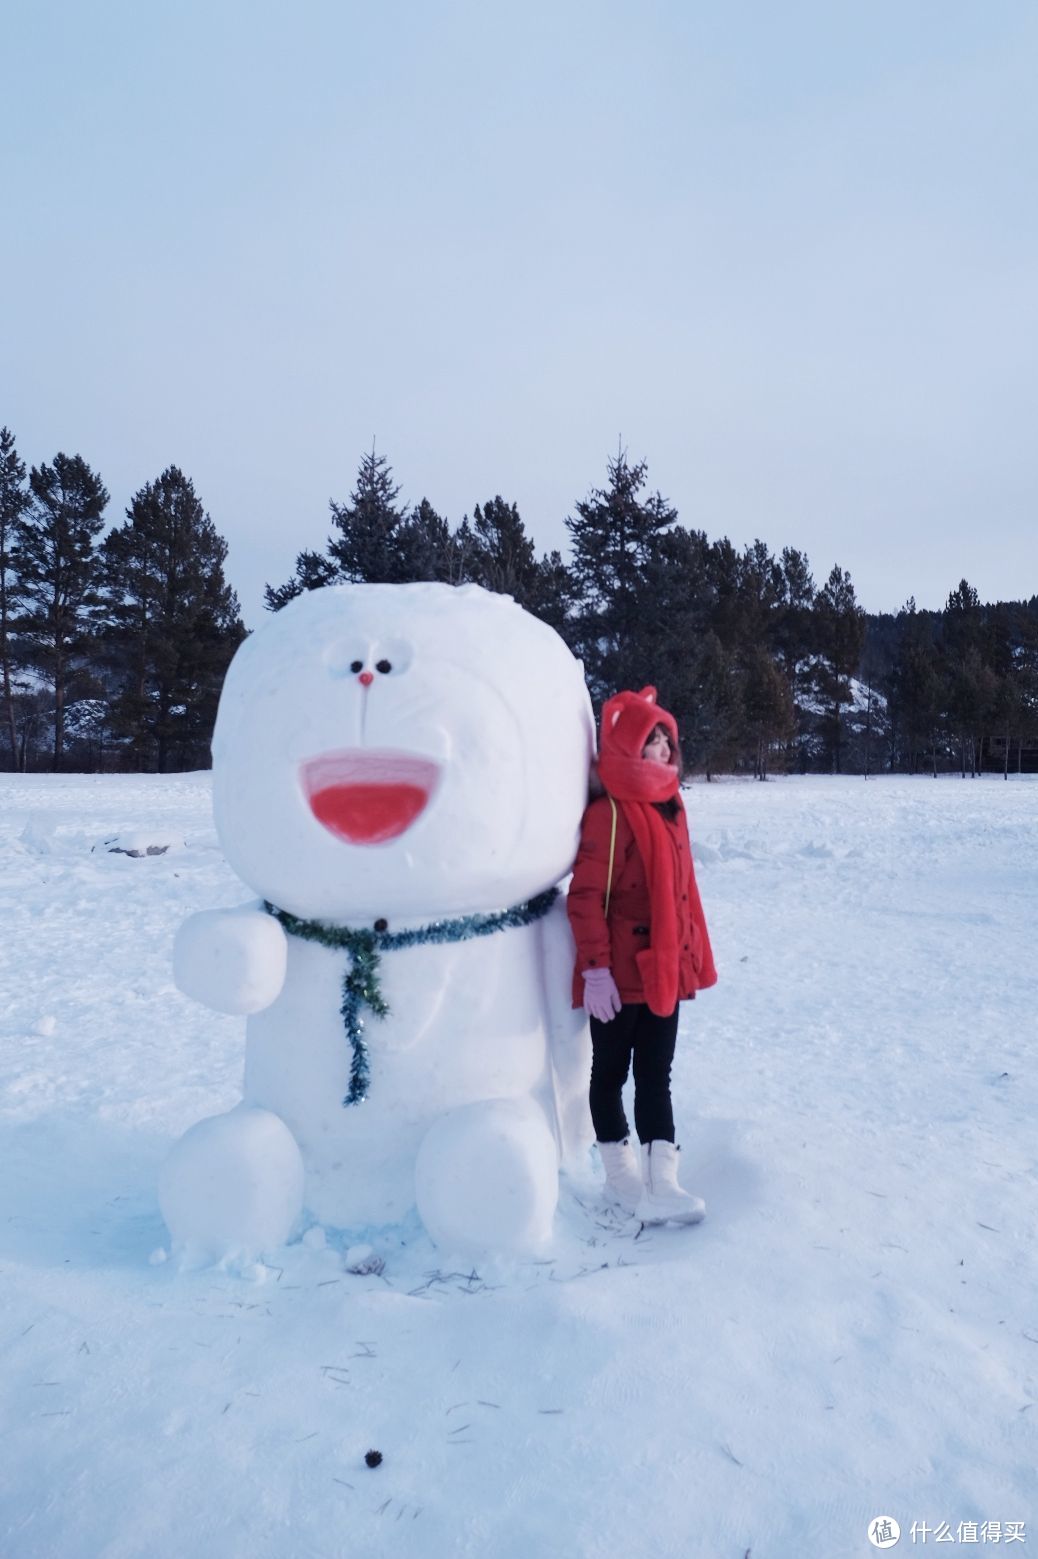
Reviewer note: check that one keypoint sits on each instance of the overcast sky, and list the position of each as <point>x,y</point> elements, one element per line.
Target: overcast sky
<point>787,250</point>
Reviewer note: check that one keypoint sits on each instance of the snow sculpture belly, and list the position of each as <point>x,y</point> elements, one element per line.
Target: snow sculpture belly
<point>428,1056</point>
<point>395,757</point>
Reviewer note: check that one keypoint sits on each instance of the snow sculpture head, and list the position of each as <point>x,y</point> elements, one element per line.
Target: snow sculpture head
<point>401,750</point>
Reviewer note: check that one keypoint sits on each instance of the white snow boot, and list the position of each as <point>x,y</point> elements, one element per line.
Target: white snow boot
<point>662,1198</point>
<point>623,1182</point>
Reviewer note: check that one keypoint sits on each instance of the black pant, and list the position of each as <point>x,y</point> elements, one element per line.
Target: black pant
<point>634,1031</point>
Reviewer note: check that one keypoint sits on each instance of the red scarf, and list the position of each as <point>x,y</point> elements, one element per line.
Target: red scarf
<point>636,783</point>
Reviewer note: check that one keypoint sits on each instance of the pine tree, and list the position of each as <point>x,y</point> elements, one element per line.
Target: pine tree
<point>963,625</point>
<point>172,622</point>
<point>1014,636</point>
<point>463,562</point>
<point>761,592</point>
<point>914,688</point>
<point>612,535</point>
<point>553,595</point>
<point>767,705</point>
<point>725,569</point>
<point>505,560</point>
<point>365,545</point>
<point>14,500</point>
<point>311,572</point>
<point>374,541</point>
<point>795,639</point>
<point>841,635</point>
<point>713,726</point>
<point>55,558</point>
<point>972,702</point>
<point>970,680</point>
<point>675,611</point>
<point>798,593</point>
<point>424,545</point>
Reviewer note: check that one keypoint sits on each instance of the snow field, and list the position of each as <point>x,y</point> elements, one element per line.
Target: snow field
<point>853,1331</point>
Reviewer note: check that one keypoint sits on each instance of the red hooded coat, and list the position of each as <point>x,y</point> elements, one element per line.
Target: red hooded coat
<point>616,942</point>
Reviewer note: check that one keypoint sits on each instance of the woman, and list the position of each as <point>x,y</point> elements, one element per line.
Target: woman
<point>642,947</point>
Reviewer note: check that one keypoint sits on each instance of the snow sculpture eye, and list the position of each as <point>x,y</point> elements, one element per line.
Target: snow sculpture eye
<point>390,655</point>
<point>348,656</point>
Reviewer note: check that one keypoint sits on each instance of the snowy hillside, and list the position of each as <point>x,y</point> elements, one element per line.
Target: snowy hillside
<point>853,1332</point>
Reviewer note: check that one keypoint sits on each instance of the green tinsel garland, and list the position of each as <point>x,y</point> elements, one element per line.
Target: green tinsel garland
<point>360,987</point>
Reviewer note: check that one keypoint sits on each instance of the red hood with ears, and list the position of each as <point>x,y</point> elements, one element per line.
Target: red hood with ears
<point>628,720</point>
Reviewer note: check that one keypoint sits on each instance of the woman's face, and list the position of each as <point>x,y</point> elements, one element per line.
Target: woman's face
<point>658,749</point>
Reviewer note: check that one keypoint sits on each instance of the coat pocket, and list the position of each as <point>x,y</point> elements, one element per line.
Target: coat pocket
<point>627,939</point>
<point>659,979</point>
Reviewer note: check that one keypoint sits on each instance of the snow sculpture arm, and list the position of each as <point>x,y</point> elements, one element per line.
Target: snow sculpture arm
<point>585,902</point>
<point>569,1037</point>
<point>232,960</point>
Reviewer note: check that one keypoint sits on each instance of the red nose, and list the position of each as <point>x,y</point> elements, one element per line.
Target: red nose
<point>367,678</point>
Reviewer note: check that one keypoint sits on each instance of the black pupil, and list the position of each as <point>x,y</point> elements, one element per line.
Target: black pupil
<point>355,665</point>
<point>383,666</point>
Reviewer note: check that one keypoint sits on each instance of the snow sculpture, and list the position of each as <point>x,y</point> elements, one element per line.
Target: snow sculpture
<point>399,771</point>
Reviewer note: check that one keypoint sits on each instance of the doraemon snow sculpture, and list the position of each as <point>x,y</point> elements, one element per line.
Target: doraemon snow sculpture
<point>399,773</point>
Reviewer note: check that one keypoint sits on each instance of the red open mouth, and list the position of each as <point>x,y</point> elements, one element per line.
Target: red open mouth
<point>368,797</point>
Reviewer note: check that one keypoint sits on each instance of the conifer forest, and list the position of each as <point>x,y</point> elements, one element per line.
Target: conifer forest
<point>114,638</point>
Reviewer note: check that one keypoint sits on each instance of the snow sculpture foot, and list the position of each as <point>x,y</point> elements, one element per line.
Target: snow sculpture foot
<point>232,1187</point>
<point>486,1178</point>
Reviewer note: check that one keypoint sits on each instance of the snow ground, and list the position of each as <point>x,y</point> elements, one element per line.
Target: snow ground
<point>852,1332</point>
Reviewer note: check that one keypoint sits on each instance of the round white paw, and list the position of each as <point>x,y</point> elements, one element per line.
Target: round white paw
<point>232,1187</point>
<point>231,960</point>
<point>486,1177</point>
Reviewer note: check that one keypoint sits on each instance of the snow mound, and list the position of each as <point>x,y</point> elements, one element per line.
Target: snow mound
<point>38,833</point>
